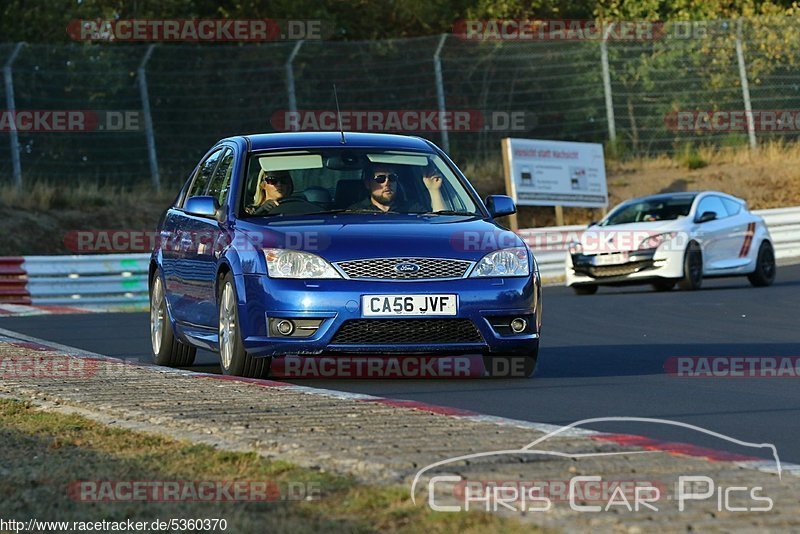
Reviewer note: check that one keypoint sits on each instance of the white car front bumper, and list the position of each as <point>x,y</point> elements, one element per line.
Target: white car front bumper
<point>624,267</point>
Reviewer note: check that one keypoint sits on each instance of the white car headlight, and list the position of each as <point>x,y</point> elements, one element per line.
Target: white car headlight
<point>282,263</point>
<point>655,241</point>
<point>575,247</point>
<point>504,262</point>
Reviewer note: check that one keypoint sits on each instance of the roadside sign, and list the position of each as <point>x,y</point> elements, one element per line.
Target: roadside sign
<point>555,173</point>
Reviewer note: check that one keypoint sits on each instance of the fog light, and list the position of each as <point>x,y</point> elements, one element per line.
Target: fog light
<point>285,327</point>
<point>518,325</point>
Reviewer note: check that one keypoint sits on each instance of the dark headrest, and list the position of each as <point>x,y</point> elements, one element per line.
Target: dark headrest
<point>317,194</point>
<point>348,192</point>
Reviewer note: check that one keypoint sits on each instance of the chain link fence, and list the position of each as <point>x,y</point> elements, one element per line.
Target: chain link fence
<point>151,110</point>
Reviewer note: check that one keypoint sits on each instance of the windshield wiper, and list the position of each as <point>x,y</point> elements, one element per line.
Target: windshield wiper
<point>450,212</point>
<point>354,210</point>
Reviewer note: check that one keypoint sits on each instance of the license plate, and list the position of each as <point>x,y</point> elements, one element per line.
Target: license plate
<point>611,259</point>
<point>406,305</point>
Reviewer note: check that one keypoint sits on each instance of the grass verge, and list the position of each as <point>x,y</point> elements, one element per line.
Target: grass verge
<point>44,452</point>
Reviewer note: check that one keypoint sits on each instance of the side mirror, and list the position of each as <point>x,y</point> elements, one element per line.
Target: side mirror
<point>592,224</point>
<point>202,206</point>
<point>706,216</point>
<point>500,205</point>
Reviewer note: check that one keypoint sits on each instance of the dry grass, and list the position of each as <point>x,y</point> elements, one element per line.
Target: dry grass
<point>768,177</point>
<point>37,219</point>
<point>45,196</point>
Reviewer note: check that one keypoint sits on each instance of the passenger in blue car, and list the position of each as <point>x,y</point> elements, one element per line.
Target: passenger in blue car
<point>272,188</point>
<point>381,182</point>
<point>274,195</point>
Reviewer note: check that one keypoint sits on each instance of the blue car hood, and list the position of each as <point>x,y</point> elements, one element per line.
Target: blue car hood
<point>345,237</point>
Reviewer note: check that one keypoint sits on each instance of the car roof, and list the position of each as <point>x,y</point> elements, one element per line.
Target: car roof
<point>295,140</point>
<point>664,196</point>
<point>684,195</point>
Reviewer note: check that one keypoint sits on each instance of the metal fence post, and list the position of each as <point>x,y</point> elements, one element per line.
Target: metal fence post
<point>748,108</point>
<point>11,107</point>
<point>612,128</point>
<point>290,76</point>
<point>437,68</point>
<point>148,119</point>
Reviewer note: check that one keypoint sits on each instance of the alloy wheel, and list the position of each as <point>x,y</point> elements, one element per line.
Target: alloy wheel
<point>227,325</point>
<point>157,316</point>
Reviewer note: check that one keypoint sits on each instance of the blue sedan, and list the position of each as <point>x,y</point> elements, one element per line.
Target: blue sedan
<point>338,244</point>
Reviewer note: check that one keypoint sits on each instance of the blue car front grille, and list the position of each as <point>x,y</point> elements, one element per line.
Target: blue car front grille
<point>385,268</point>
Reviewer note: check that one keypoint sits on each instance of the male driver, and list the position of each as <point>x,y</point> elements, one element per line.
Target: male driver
<point>381,182</point>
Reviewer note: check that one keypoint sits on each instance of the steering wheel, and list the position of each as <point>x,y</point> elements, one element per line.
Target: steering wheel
<point>294,205</point>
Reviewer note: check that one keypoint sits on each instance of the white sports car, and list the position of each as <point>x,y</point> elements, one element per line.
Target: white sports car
<point>673,238</point>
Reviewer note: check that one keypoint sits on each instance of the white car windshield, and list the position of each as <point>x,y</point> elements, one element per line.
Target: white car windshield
<point>649,210</point>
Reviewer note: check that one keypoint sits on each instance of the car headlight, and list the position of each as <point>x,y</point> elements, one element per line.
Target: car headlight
<point>282,263</point>
<point>575,247</point>
<point>504,262</point>
<point>655,241</point>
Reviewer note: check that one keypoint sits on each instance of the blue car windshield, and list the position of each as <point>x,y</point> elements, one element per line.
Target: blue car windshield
<point>352,181</point>
<point>649,210</point>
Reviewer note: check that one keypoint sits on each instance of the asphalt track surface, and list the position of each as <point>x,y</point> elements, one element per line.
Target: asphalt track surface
<point>601,355</point>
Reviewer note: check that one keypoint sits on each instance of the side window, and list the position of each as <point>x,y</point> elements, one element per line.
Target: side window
<point>203,176</point>
<point>221,181</point>
<point>712,203</point>
<point>732,206</point>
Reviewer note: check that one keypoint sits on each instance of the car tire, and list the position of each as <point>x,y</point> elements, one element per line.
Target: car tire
<point>511,365</point>
<point>166,348</point>
<point>764,274</point>
<point>233,358</point>
<point>664,285</point>
<point>585,289</point>
<point>692,268</point>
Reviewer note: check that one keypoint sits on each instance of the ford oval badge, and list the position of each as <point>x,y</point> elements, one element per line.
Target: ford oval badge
<point>406,267</point>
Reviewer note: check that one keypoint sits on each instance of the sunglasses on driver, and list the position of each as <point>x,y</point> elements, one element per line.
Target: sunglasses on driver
<point>381,178</point>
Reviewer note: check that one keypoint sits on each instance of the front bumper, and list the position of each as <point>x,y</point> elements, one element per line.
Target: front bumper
<point>639,267</point>
<point>484,303</point>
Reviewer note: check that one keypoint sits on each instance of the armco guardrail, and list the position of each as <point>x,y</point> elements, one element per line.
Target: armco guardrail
<point>122,278</point>
<point>59,280</point>
<point>550,244</point>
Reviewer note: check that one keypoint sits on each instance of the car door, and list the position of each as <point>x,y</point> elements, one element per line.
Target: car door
<point>187,275</point>
<point>740,240</point>
<point>211,238</point>
<point>713,234</point>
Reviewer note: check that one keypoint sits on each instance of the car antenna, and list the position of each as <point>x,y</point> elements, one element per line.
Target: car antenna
<point>338,114</point>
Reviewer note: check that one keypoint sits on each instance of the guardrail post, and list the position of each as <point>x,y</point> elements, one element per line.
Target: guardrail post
<point>11,108</point>
<point>748,108</point>
<point>290,76</point>
<point>612,128</point>
<point>437,69</point>
<point>141,74</point>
